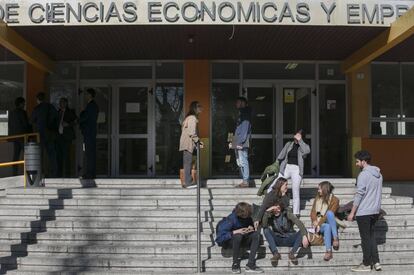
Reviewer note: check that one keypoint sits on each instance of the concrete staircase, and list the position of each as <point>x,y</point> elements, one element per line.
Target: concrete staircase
<point>149,226</point>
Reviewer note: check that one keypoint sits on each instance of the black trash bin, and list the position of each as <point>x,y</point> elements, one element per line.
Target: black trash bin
<point>33,164</point>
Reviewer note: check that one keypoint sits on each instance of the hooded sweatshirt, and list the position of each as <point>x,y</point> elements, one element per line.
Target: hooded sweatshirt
<point>369,191</point>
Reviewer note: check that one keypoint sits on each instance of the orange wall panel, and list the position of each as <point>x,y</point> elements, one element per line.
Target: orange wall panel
<point>393,156</point>
<point>35,82</point>
<point>197,88</point>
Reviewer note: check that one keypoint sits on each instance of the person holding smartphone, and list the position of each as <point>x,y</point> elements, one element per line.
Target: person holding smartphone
<point>292,159</point>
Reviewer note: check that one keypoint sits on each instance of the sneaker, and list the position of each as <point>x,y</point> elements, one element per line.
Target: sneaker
<point>328,255</point>
<point>361,268</point>
<point>254,269</point>
<point>190,186</point>
<point>275,259</point>
<point>235,268</point>
<point>293,259</point>
<point>377,267</point>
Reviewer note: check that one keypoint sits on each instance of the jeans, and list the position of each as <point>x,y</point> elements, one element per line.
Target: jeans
<point>293,240</point>
<point>251,241</point>
<point>187,164</point>
<point>366,226</point>
<point>292,172</point>
<point>329,229</point>
<point>242,159</point>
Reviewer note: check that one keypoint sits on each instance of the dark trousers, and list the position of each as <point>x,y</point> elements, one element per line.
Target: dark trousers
<point>366,226</point>
<point>250,241</point>
<point>18,148</point>
<point>293,240</point>
<point>90,152</point>
<point>63,156</point>
<point>50,148</point>
<point>187,164</point>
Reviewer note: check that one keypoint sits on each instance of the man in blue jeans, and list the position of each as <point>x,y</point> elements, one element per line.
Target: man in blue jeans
<point>278,223</point>
<point>241,140</point>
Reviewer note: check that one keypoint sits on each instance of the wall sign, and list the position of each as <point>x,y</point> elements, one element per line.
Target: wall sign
<point>243,12</point>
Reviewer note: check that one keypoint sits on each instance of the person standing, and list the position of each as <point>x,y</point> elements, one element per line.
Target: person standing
<point>18,124</point>
<point>189,140</point>
<point>67,120</point>
<point>291,160</point>
<point>241,140</point>
<point>45,121</point>
<point>366,209</point>
<point>88,125</point>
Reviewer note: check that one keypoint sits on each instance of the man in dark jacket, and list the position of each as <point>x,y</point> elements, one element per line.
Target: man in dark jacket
<point>241,140</point>
<point>18,124</point>
<point>67,120</point>
<point>45,122</point>
<point>237,230</point>
<point>278,223</point>
<point>88,124</point>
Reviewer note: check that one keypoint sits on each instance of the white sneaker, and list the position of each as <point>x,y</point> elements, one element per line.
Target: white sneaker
<point>361,268</point>
<point>377,267</point>
<point>193,185</point>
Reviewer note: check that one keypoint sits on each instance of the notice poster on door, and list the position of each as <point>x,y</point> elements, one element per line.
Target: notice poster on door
<point>289,95</point>
<point>331,104</point>
<point>133,107</point>
<point>101,117</point>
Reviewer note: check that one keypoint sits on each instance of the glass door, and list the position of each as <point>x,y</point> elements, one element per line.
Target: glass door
<point>132,133</point>
<point>298,114</point>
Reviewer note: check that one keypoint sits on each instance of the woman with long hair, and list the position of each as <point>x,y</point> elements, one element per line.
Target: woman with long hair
<point>323,218</point>
<point>278,193</point>
<point>291,160</point>
<point>188,141</point>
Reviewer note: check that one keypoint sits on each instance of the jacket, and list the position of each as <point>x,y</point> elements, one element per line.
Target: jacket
<point>283,224</point>
<point>70,118</point>
<point>189,134</point>
<point>369,191</point>
<point>45,121</point>
<point>333,206</point>
<point>18,122</point>
<point>303,150</point>
<point>268,201</point>
<point>270,174</point>
<point>243,130</point>
<point>226,227</point>
<point>88,119</point>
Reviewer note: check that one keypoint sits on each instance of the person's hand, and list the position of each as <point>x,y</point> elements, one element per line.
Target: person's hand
<point>271,209</point>
<point>298,137</point>
<point>250,229</point>
<point>201,145</point>
<point>256,225</point>
<point>239,147</point>
<point>239,231</point>
<point>305,242</point>
<point>315,224</point>
<point>350,217</point>
<point>317,229</point>
<point>230,145</point>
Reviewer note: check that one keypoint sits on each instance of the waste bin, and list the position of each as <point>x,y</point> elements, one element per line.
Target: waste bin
<point>33,164</point>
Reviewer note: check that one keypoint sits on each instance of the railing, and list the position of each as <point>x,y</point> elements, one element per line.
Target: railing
<point>19,162</point>
<point>198,212</point>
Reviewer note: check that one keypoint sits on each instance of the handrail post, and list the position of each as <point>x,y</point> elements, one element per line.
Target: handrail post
<point>198,211</point>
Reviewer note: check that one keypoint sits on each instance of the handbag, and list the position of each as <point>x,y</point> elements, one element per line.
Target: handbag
<point>193,176</point>
<point>315,239</point>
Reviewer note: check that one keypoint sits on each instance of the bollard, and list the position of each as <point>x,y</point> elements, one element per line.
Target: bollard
<point>33,164</point>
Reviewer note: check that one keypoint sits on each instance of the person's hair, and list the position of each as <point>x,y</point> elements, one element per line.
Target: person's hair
<point>302,132</point>
<point>64,99</point>
<point>363,155</point>
<point>19,101</point>
<point>243,210</point>
<point>280,204</point>
<point>278,186</point>
<point>41,96</point>
<point>242,99</point>
<point>92,92</point>
<point>192,111</point>
<point>327,189</point>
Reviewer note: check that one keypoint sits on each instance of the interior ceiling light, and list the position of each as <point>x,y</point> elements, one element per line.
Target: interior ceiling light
<point>191,39</point>
<point>291,66</point>
<point>259,98</point>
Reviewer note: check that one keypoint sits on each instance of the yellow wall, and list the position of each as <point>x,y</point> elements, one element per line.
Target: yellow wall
<point>197,88</point>
<point>35,82</point>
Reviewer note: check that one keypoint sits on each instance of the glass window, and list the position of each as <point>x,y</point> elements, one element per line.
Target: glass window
<point>169,70</point>
<point>330,72</point>
<point>261,102</point>
<point>392,128</point>
<point>116,72</point>
<point>290,70</point>
<point>59,90</point>
<point>64,71</point>
<point>408,90</point>
<point>226,70</point>
<point>133,110</point>
<point>224,116</point>
<point>129,163</point>
<point>11,87</point>
<point>386,98</point>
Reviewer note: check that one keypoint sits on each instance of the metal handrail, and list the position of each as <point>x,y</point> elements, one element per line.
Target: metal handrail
<point>19,162</point>
<point>198,212</point>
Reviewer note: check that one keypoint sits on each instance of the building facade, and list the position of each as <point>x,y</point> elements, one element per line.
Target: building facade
<point>341,70</point>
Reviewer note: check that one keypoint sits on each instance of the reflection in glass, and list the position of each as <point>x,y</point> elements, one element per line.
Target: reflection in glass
<point>261,155</point>
<point>296,110</point>
<point>386,90</point>
<point>224,116</point>
<point>102,157</point>
<point>261,102</point>
<point>133,110</point>
<point>408,90</point>
<point>133,156</point>
<point>169,99</point>
<point>392,128</point>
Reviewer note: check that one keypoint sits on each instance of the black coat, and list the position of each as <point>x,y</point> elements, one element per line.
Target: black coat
<point>45,121</point>
<point>18,122</point>
<point>70,118</point>
<point>88,120</point>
